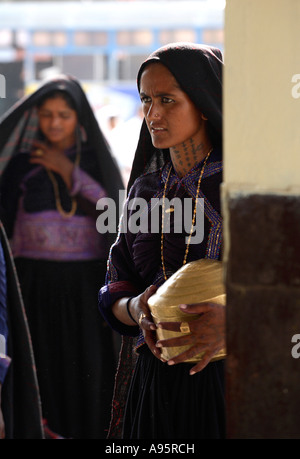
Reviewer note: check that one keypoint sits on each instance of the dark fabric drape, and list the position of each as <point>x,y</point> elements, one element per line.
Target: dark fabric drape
<point>149,413</point>
<point>20,393</point>
<point>73,346</point>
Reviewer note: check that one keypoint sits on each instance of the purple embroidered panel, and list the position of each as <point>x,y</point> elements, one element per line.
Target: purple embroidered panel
<point>48,235</point>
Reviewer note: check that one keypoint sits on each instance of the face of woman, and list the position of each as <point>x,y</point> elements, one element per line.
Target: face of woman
<point>171,116</point>
<point>58,122</point>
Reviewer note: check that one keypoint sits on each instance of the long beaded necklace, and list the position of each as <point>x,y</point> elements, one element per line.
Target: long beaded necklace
<point>193,219</point>
<point>58,204</point>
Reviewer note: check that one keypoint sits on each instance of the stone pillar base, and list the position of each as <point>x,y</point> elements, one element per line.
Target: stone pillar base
<point>263,315</point>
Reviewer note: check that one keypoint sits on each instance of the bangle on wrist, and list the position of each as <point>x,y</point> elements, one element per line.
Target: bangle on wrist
<point>128,310</point>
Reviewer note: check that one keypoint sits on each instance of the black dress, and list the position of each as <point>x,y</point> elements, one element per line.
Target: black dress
<point>164,402</point>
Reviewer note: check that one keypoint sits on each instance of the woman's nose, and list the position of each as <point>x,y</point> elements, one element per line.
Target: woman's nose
<point>55,121</point>
<point>153,112</point>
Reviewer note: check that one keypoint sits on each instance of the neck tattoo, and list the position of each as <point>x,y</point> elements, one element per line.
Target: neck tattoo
<point>187,156</point>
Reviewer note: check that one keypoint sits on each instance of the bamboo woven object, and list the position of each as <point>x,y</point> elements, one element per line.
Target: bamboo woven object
<point>195,282</point>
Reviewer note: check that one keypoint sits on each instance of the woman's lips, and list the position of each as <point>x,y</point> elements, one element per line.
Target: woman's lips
<point>157,129</point>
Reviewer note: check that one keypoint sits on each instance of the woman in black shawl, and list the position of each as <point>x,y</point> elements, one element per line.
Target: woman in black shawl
<point>179,154</point>
<point>57,166</point>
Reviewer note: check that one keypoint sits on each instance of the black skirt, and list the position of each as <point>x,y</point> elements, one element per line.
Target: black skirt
<point>73,346</point>
<point>165,402</point>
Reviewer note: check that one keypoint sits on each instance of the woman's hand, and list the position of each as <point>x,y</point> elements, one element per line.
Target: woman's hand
<point>54,160</point>
<point>140,311</point>
<point>207,334</point>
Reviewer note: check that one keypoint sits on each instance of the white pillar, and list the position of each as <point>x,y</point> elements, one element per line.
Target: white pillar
<point>261,208</point>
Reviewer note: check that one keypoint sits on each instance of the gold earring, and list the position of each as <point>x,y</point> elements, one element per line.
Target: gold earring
<point>204,117</point>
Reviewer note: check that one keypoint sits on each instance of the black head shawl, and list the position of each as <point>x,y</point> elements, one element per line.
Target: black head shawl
<point>18,128</point>
<point>198,70</point>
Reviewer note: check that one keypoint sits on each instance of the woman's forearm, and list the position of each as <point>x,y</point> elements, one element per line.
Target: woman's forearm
<point>119,309</point>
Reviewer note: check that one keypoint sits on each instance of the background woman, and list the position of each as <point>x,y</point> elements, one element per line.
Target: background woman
<point>60,167</point>
<point>179,154</point>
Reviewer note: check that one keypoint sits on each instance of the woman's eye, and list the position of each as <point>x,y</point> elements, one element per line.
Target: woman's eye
<point>167,100</point>
<point>145,99</point>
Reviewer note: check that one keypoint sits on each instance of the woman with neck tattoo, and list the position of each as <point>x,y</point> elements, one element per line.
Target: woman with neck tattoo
<point>179,155</point>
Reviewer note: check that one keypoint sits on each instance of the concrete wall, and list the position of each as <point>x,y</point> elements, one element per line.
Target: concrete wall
<point>261,208</point>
